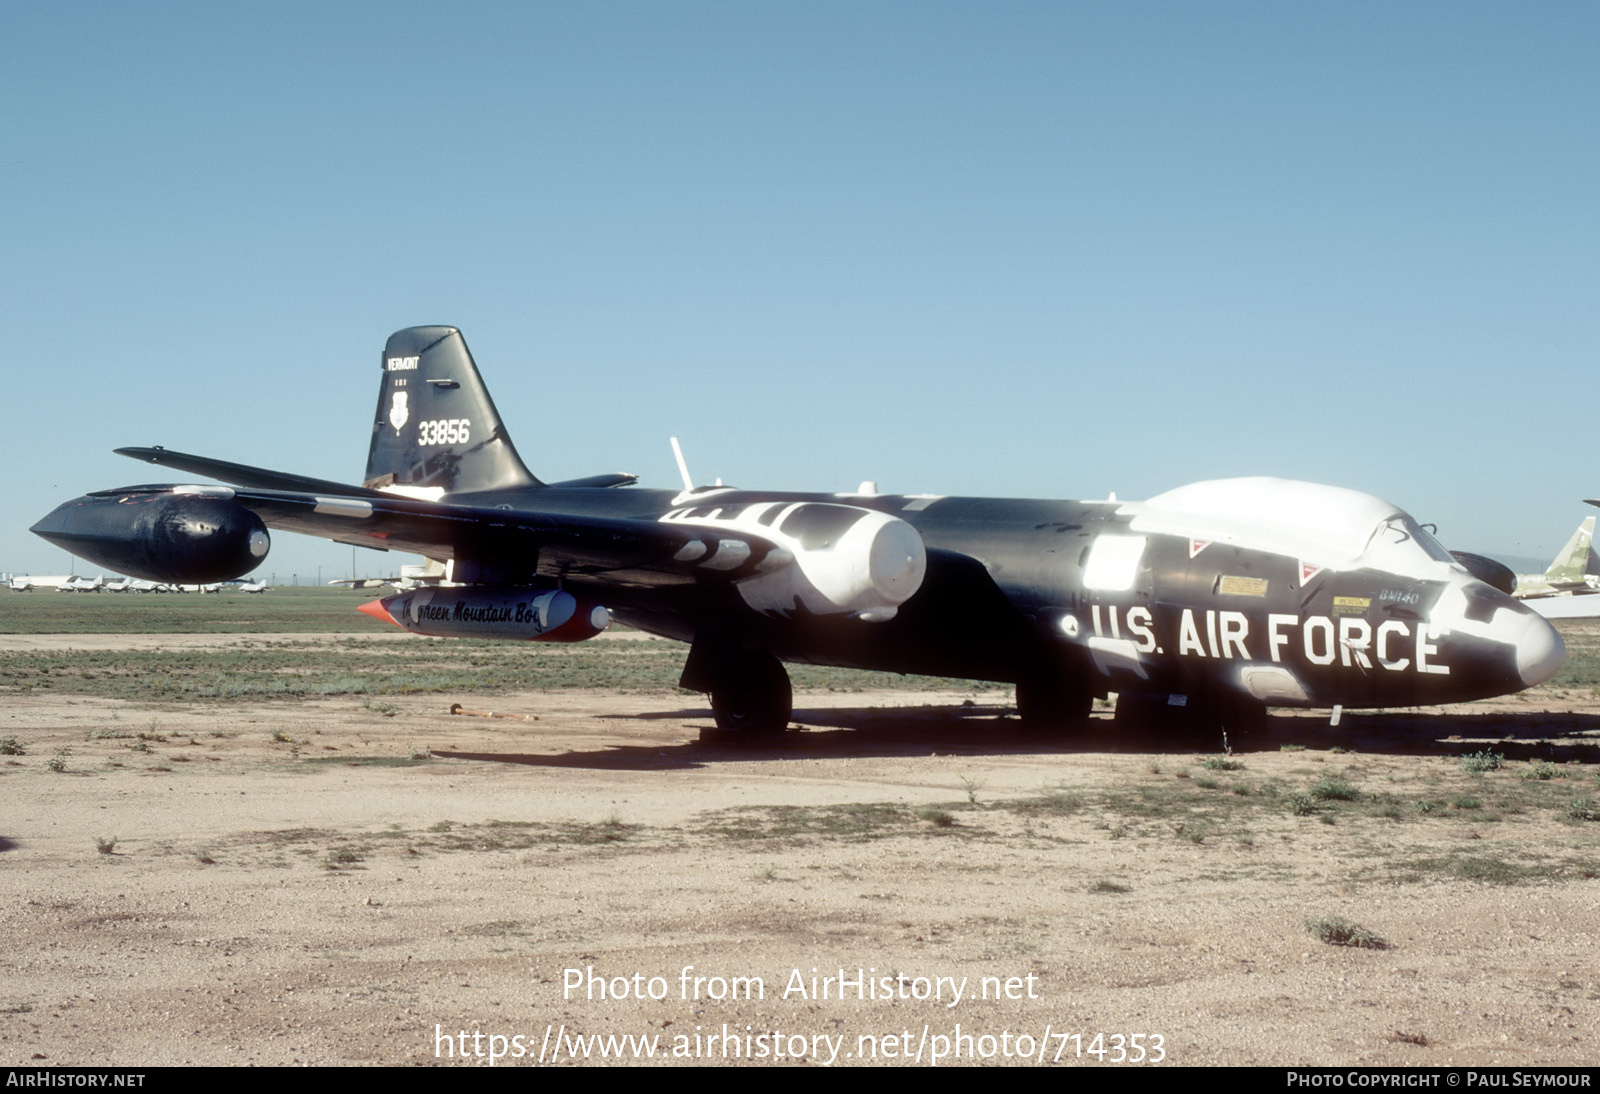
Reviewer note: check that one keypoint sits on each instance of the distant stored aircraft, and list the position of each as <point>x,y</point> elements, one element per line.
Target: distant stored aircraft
<point>1219,597</point>
<point>82,585</point>
<point>1569,572</point>
<point>1566,589</point>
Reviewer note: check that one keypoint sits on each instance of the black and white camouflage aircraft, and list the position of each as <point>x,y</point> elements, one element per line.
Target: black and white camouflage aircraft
<point>1218,598</point>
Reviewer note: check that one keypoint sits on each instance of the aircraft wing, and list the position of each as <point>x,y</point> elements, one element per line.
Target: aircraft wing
<point>495,545</point>
<point>244,475</point>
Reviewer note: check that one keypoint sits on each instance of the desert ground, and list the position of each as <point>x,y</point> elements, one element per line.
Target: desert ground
<point>904,878</point>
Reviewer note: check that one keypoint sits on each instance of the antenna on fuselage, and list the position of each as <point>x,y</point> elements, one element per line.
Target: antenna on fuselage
<point>689,488</point>
<point>683,467</point>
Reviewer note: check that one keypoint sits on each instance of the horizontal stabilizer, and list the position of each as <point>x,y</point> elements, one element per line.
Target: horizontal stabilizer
<point>596,482</point>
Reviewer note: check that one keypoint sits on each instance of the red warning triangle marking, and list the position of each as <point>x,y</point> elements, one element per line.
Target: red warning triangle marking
<point>1198,545</point>
<point>1308,571</point>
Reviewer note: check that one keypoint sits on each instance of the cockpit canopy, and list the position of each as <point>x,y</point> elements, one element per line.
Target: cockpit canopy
<point>1323,525</point>
<point>1402,546</point>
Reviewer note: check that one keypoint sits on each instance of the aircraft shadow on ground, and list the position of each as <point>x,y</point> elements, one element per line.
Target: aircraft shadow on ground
<point>953,730</point>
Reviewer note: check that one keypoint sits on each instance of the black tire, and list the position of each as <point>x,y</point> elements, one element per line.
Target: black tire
<point>752,695</point>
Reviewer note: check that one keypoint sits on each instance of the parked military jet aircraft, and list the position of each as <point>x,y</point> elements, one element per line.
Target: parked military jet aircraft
<point>1567,588</point>
<point>82,585</point>
<point>1222,597</point>
<point>1569,573</point>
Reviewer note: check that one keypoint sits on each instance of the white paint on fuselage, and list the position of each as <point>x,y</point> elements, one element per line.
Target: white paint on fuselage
<point>1113,564</point>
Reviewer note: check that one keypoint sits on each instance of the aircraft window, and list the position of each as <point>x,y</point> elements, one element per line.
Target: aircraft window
<point>817,526</point>
<point>1434,548</point>
<point>1400,544</point>
<point>770,515</point>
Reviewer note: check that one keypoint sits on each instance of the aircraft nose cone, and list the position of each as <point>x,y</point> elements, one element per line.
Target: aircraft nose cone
<point>57,525</point>
<point>1540,652</point>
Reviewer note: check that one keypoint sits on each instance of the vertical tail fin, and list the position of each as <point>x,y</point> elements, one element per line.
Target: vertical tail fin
<point>1573,561</point>
<point>436,430</point>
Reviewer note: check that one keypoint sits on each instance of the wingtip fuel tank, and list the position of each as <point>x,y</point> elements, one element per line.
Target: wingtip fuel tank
<point>187,535</point>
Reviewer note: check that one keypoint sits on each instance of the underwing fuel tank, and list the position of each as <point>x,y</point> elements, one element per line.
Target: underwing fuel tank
<point>477,611</point>
<point>183,536</point>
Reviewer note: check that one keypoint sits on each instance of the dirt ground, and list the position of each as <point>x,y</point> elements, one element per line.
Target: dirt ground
<point>353,881</point>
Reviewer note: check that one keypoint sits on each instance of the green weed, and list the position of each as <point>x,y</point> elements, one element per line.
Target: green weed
<point>1479,762</point>
<point>1336,931</point>
<point>1300,803</point>
<point>1334,788</point>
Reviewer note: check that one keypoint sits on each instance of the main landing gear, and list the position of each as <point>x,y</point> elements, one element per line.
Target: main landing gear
<point>752,694</point>
<point>749,688</point>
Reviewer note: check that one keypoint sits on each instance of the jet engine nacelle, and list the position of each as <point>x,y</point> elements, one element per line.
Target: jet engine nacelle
<point>479,611</point>
<point>187,536</point>
<point>829,559</point>
<point>1496,575</point>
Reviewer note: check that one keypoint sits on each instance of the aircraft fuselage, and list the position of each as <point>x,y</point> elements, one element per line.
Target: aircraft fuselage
<point>1180,610</point>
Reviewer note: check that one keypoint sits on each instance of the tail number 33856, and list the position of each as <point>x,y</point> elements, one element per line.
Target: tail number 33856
<point>444,431</point>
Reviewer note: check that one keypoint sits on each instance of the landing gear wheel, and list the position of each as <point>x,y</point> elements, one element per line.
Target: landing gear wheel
<point>1052,704</point>
<point>752,695</point>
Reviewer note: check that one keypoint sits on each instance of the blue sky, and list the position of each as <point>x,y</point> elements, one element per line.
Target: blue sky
<point>1031,249</point>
